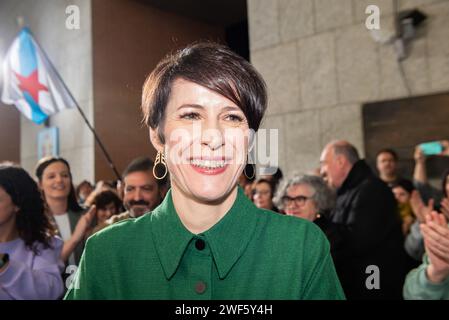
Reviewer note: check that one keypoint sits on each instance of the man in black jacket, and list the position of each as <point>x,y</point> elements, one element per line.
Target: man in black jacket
<point>365,229</point>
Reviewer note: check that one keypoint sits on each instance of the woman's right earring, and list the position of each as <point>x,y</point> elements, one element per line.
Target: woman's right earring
<point>160,159</point>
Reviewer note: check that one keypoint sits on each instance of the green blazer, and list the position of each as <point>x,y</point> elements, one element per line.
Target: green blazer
<point>250,253</point>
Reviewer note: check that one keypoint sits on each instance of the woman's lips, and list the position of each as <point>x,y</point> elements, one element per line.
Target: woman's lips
<point>209,165</point>
<point>209,171</point>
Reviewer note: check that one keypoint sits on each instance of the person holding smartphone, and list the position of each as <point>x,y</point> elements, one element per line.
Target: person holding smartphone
<point>426,198</point>
<point>420,179</point>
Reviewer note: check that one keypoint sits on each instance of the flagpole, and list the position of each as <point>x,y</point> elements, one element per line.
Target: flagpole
<point>97,138</point>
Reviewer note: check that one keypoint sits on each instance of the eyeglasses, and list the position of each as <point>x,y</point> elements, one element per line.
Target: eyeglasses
<point>260,192</point>
<point>298,200</point>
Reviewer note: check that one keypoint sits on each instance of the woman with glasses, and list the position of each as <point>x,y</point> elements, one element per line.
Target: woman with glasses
<point>262,194</point>
<point>307,197</point>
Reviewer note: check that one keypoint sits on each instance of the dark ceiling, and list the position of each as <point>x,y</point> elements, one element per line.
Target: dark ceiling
<point>218,12</point>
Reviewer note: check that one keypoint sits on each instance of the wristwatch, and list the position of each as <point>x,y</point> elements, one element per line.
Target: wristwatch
<point>4,258</point>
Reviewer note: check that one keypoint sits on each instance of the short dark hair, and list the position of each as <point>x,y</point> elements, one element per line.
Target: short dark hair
<point>32,223</point>
<point>138,164</point>
<point>348,151</point>
<point>390,151</point>
<point>82,184</point>
<point>262,180</point>
<point>279,175</point>
<point>210,65</point>
<point>145,164</point>
<point>42,164</point>
<point>103,198</point>
<point>407,185</point>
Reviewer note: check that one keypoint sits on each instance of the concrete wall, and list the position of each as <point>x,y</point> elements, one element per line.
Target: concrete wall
<point>321,65</point>
<point>71,53</point>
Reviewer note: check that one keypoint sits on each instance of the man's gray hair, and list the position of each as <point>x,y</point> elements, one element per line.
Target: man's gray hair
<point>323,196</point>
<point>347,150</point>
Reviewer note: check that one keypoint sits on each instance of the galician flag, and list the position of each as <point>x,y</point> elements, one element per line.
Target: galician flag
<point>30,81</point>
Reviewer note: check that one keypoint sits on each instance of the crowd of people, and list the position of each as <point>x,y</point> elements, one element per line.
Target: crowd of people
<point>342,231</point>
<point>45,222</point>
<point>370,219</point>
<point>388,221</point>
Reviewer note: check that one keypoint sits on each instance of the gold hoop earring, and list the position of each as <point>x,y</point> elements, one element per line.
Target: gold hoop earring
<point>160,159</point>
<point>253,169</point>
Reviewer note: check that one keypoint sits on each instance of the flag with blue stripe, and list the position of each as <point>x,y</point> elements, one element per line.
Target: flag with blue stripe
<point>30,81</point>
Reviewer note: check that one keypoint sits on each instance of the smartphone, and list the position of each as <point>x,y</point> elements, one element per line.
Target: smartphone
<point>431,148</point>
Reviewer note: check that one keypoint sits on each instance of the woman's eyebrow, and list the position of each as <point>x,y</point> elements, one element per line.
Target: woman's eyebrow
<point>196,106</point>
<point>231,108</point>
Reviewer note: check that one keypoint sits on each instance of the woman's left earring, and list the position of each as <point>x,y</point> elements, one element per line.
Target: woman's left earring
<point>253,170</point>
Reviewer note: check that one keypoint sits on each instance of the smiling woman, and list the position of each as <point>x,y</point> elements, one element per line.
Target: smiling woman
<point>55,183</point>
<point>206,240</point>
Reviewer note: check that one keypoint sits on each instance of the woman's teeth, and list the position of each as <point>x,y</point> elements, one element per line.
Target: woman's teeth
<point>208,164</point>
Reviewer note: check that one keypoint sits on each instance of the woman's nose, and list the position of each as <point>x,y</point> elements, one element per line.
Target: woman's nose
<point>212,137</point>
